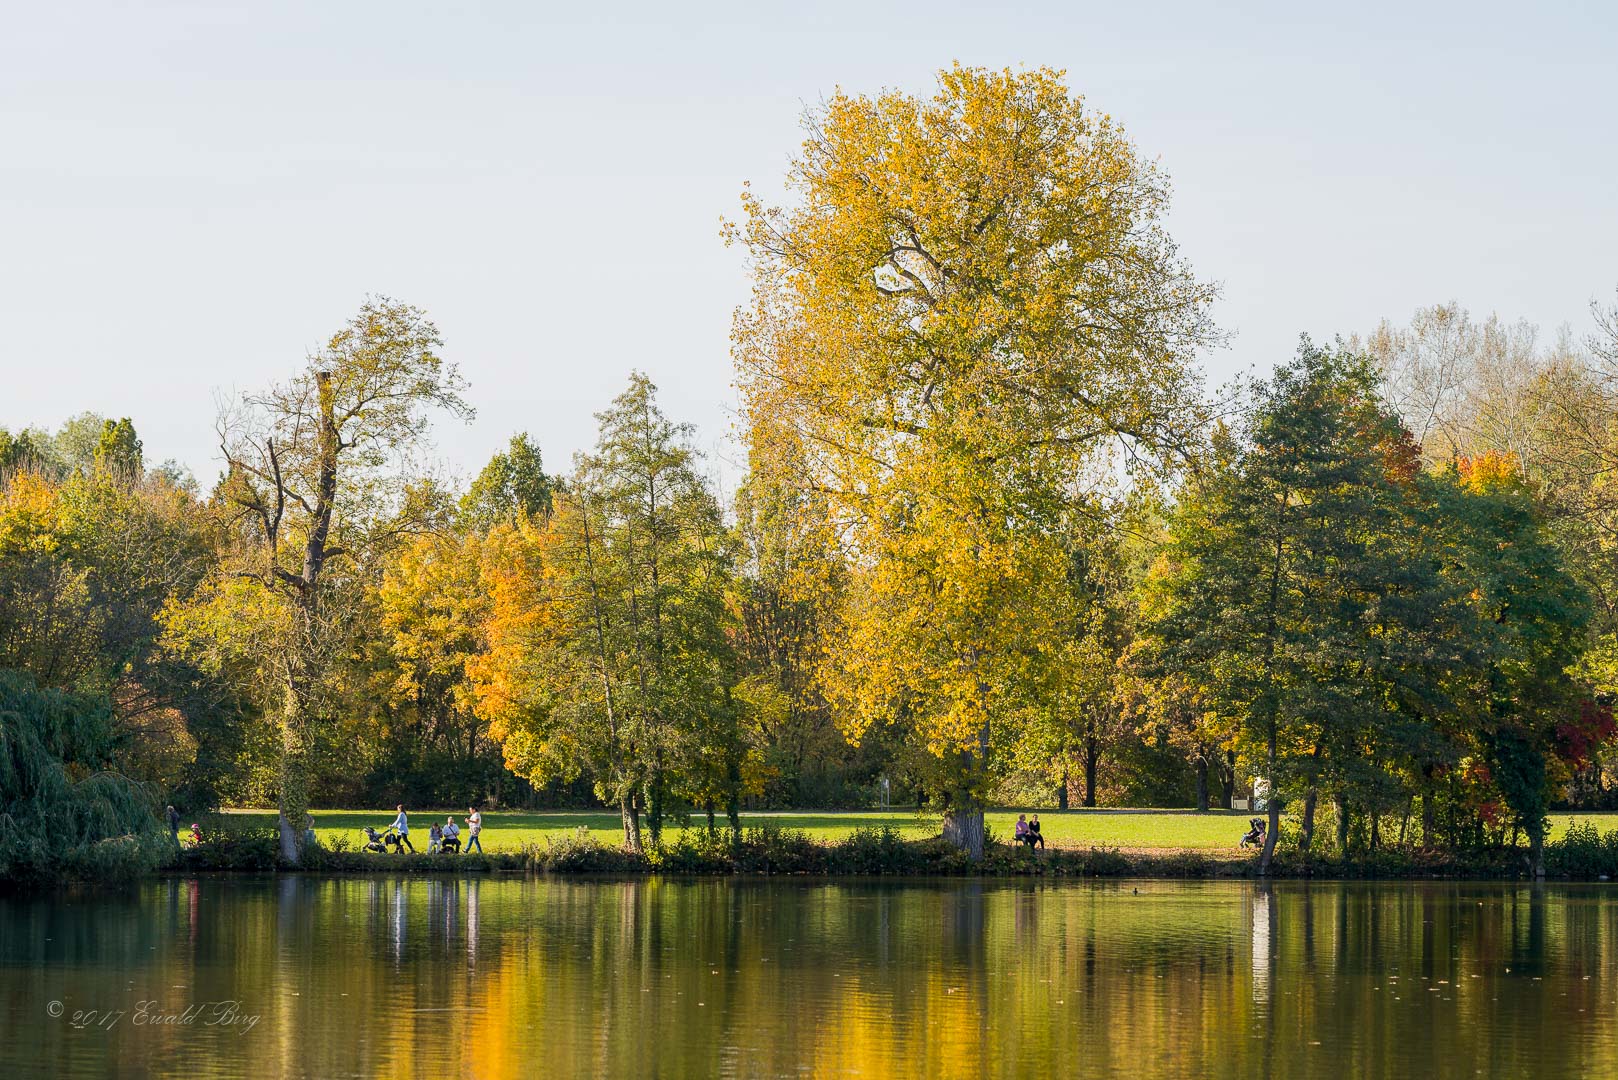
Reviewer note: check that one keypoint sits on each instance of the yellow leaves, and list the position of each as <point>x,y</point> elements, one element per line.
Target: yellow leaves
<point>950,626</point>
<point>227,621</point>
<point>30,514</point>
<point>971,296</point>
<point>433,606</point>
<point>1490,471</point>
<point>511,573</point>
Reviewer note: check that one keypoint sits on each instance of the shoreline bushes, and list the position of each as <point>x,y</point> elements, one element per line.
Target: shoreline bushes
<point>1583,854</point>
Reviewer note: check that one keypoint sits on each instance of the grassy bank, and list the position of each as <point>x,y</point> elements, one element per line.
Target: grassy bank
<point>1145,831</point>
<point>1164,844</point>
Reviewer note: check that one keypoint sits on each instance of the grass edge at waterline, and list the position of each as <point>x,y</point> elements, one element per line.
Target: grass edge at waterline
<point>1583,853</point>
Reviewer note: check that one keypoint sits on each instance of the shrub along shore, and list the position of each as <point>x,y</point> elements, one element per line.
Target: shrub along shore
<point>1581,853</point>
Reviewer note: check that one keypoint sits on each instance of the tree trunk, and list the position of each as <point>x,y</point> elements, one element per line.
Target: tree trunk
<point>1272,802</point>
<point>963,827</point>
<point>296,721</point>
<point>1227,779</point>
<point>1536,850</point>
<point>631,815</point>
<point>1376,830</point>
<point>654,802</point>
<point>293,797</point>
<point>1267,855</point>
<point>1307,831</point>
<point>1202,785</point>
<point>733,785</point>
<point>1061,792</point>
<point>1342,827</point>
<point>963,820</point>
<point>1092,753</point>
<point>1272,789</point>
<point>1429,816</point>
<point>708,806</point>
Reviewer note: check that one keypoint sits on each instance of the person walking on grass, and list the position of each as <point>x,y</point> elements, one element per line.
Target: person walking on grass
<point>174,826</point>
<point>474,826</point>
<point>401,824</point>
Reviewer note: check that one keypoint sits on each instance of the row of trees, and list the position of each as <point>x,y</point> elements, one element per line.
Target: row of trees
<point>1358,625</point>
<point>994,541</point>
<point>332,622</point>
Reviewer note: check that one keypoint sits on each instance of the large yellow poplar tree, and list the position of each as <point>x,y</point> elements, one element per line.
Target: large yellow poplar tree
<point>966,299</point>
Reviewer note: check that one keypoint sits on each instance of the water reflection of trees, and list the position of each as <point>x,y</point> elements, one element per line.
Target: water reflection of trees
<point>406,977</point>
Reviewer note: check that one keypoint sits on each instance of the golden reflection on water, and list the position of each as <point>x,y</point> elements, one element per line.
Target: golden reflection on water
<point>402,978</point>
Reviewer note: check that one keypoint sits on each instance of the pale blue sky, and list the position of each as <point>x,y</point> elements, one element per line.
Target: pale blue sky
<point>192,195</point>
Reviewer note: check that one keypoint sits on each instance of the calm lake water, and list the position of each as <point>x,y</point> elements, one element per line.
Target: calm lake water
<point>393,977</point>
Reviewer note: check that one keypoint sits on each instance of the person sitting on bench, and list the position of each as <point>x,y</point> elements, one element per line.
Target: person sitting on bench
<point>1021,833</point>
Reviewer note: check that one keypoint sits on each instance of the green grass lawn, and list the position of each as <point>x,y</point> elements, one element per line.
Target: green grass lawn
<point>1162,830</point>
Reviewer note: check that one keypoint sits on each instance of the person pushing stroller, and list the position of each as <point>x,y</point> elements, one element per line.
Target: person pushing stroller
<point>401,825</point>
<point>396,836</point>
<point>1254,837</point>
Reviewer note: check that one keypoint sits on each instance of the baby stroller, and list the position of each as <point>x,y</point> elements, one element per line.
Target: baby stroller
<point>1254,836</point>
<point>377,843</point>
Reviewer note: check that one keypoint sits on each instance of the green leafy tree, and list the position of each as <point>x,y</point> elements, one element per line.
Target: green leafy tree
<point>1471,389</point>
<point>1287,572</point>
<point>118,451</point>
<point>1533,614</point>
<point>86,565</point>
<point>74,445</point>
<point>616,662</point>
<point>28,450</point>
<point>514,483</point>
<point>66,814</point>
